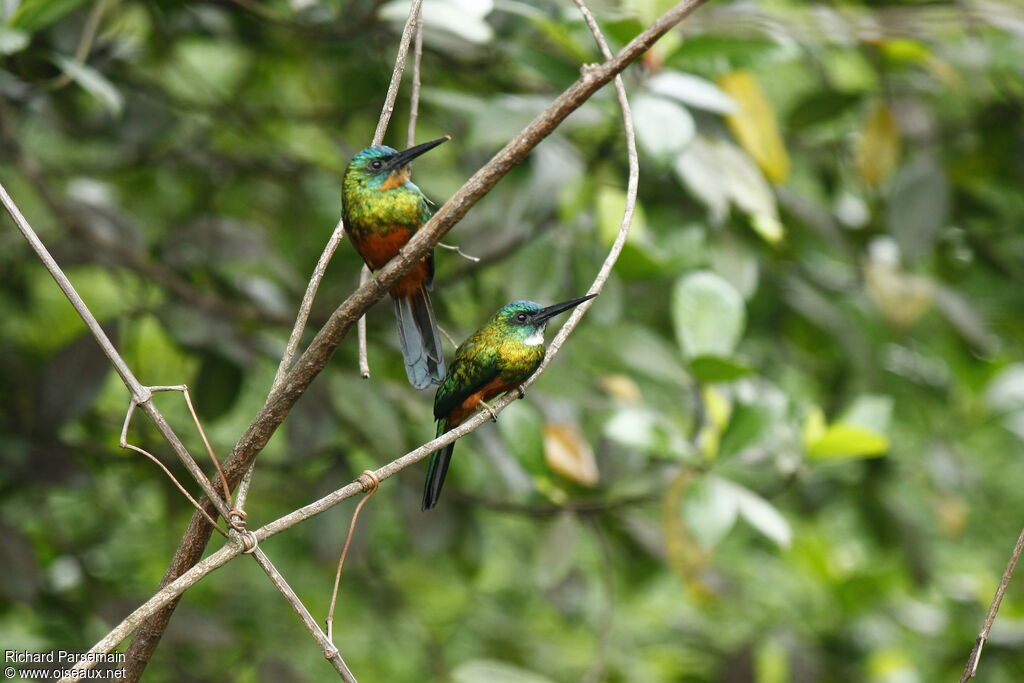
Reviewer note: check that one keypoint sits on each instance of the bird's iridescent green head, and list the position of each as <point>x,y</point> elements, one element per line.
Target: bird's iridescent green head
<point>383,168</point>
<point>526,320</point>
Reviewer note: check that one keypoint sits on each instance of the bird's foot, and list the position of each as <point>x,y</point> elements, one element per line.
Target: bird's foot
<point>520,392</point>
<point>489,409</point>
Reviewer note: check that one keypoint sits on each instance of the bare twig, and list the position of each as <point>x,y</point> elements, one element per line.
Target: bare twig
<point>307,304</point>
<point>330,651</point>
<point>450,338</point>
<point>972,662</point>
<point>364,360</point>
<point>372,484</point>
<point>281,400</point>
<point>414,95</point>
<point>202,433</point>
<point>412,25</point>
<point>457,250</point>
<point>174,480</point>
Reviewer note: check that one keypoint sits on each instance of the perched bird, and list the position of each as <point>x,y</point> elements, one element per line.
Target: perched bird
<point>382,209</point>
<point>498,357</point>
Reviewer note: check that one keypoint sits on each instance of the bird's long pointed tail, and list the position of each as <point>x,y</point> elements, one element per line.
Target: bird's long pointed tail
<point>420,339</point>
<point>436,470</point>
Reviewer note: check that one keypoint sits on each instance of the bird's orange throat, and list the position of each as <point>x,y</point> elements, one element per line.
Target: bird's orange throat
<point>396,178</point>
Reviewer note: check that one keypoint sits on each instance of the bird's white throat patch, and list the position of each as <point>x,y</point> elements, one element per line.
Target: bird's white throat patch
<point>536,338</point>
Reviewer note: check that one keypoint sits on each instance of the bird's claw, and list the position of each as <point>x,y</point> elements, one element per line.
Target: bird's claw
<point>521,392</point>
<point>490,410</point>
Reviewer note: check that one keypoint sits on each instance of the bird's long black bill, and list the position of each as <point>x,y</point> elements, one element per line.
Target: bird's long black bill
<point>407,155</point>
<point>545,313</point>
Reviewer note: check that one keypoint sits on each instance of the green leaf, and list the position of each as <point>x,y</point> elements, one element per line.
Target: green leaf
<point>847,441</point>
<point>464,19</point>
<point>33,15</point>
<point>611,203</point>
<point>556,554</point>
<point>700,169</point>
<point>759,513</point>
<point>663,127</point>
<point>692,90</point>
<point>710,510</point>
<point>708,314</point>
<point>718,369</point>
<point>93,82</point>
<point>12,40</point>
<point>491,671</point>
<point>522,430</point>
<point>917,206</point>
<point>648,431</point>
<point>757,423</point>
<point>218,385</point>
<point>204,69</point>
<point>870,411</point>
<point>820,107</point>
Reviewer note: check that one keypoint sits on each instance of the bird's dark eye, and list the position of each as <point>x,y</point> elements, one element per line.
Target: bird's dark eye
<point>376,164</point>
<point>521,317</point>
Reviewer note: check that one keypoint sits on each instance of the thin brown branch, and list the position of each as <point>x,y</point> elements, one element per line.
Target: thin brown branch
<point>372,485</point>
<point>457,250</point>
<point>364,360</point>
<point>396,76</point>
<point>414,95</point>
<point>993,609</point>
<point>330,651</point>
<point>307,304</point>
<point>281,400</point>
<point>412,25</point>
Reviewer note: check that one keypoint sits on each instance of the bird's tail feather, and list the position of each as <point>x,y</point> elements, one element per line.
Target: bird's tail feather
<point>436,470</point>
<point>420,339</point>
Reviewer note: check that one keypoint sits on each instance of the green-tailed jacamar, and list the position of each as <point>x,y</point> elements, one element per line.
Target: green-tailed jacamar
<point>382,209</point>
<point>498,357</point>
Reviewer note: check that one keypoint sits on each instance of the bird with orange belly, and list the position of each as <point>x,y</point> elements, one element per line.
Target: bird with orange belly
<point>497,358</point>
<point>382,210</point>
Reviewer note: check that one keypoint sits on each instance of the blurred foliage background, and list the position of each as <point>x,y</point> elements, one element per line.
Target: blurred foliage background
<point>785,444</point>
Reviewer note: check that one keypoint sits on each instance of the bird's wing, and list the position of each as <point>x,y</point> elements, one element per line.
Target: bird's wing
<point>474,366</point>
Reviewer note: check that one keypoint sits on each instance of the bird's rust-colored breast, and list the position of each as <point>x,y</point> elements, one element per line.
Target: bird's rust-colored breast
<point>379,247</point>
<point>487,392</point>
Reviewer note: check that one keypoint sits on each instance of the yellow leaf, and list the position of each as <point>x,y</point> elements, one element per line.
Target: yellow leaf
<point>754,125</point>
<point>814,426</point>
<point>902,298</point>
<point>567,453</point>
<point>878,149</point>
<point>622,387</point>
<point>718,411</point>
